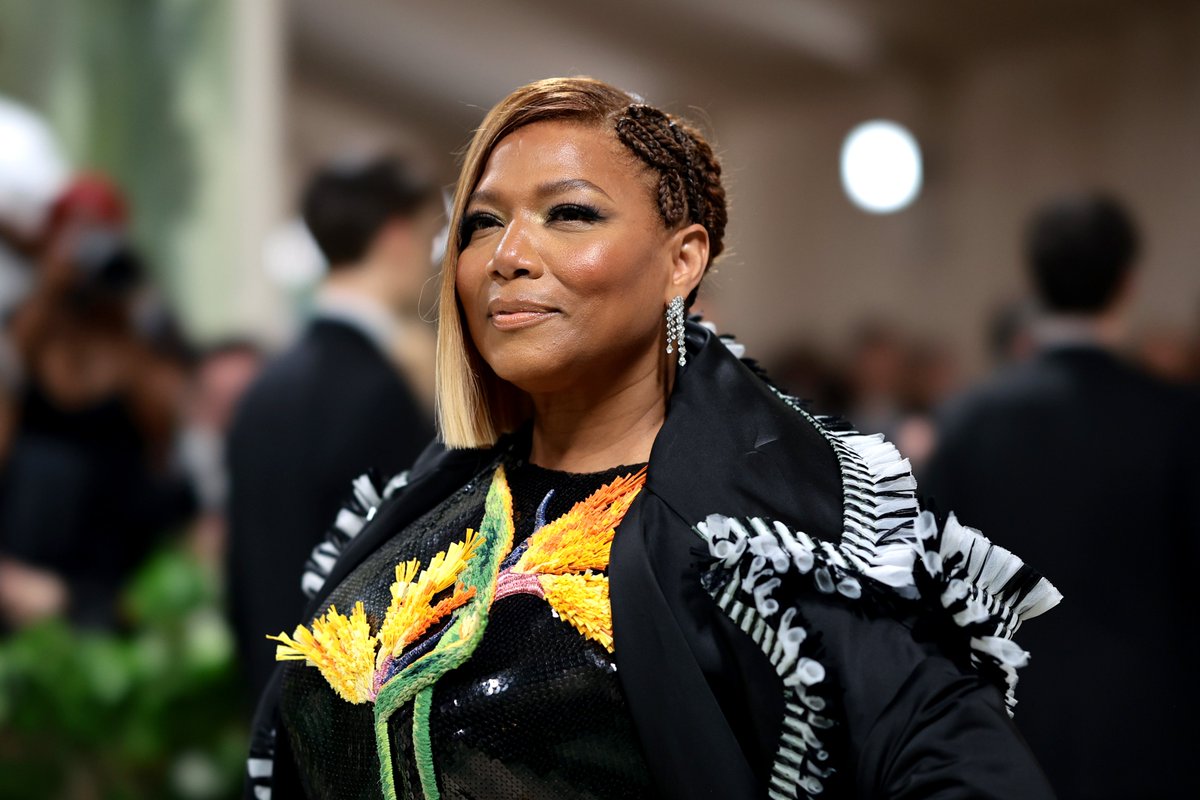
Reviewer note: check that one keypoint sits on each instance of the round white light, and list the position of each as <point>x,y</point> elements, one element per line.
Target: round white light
<point>881,166</point>
<point>32,168</point>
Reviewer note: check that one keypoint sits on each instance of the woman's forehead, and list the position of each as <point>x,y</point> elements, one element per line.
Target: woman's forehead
<point>558,153</point>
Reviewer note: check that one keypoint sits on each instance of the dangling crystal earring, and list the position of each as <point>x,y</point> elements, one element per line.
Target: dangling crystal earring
<point>675,328</point>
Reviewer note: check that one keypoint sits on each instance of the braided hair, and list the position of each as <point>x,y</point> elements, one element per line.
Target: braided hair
<point>689,176</point>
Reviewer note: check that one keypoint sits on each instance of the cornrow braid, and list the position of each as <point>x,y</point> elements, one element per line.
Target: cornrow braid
<point>689,175</point>
<point>686,145</point>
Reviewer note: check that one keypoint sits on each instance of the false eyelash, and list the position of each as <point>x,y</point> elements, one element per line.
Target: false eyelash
<point>470,224</point>
<point>581,212</point>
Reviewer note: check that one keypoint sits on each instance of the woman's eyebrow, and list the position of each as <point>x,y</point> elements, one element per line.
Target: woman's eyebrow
<point>544,190</point>
<point>568,184</point>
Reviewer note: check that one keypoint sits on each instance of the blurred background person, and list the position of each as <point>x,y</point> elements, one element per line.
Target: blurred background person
<point>876,373</point>
<point>931,374</point>
<point>1170,353</point>
<point>1096,463</point>
<point>1010,333</point>
<point>221,374</point>
<point>87,484</point>
<point>805,371</point>
<point>349,396</point>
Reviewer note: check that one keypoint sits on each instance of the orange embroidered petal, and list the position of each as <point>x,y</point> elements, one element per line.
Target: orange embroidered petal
<point>461,595</point>
<point>581,539</point>
<point>582,600</point>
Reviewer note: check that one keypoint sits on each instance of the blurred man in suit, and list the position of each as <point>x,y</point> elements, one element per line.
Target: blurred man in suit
<point>1087,469</point>
<point>343,399</point>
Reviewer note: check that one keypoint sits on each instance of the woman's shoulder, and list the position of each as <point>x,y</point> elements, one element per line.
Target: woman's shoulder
<point>437,473</point>
<point>855,631</point>
<point>947,583</point>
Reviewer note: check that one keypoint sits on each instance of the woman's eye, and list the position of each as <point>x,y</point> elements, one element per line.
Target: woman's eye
<point>574,212</point>
<point>472,223</point>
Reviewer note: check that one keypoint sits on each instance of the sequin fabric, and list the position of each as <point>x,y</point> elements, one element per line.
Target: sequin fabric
<point>536,712</point>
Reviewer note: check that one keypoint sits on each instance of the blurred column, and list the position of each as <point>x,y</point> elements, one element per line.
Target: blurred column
<point>180,102</point>
<point>259,52</point>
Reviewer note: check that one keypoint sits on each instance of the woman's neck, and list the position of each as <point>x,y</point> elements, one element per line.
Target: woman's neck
<point>589,431</point>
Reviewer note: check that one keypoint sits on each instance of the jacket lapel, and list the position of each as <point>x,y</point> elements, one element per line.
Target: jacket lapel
<point>729,446</point>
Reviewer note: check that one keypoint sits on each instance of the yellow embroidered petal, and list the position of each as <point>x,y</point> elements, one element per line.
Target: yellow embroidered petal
<point>342,648</point>
<point>582,600</point>
<point>581,539</point>
<point>291,649</point>
<point>406,571</point>
<point>444,568</point>
<point>411,611</point>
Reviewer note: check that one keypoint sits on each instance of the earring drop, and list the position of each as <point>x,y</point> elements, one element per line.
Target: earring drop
<point>675,329</point>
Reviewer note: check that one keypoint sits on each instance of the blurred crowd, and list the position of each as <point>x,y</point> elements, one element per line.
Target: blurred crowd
<point>111,421</point>
<point>117,431</point>
<point>887,379</point>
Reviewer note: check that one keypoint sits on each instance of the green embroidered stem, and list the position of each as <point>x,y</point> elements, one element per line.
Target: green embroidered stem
<point>383,745</point>
<point>422,745</point>
<point>456,645</point>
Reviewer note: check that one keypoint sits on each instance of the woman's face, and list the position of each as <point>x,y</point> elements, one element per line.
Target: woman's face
<point>566,265</point>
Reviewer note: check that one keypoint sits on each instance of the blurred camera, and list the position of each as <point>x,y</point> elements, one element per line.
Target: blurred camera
<point>106,261</point>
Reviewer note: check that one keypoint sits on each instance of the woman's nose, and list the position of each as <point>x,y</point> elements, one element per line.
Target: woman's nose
<point>515,255</point>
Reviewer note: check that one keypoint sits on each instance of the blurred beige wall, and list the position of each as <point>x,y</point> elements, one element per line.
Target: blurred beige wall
<point>1007,115</point>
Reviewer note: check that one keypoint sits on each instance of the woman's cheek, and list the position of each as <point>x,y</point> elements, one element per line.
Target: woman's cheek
<point>468,283</point>
<point>594,267</point>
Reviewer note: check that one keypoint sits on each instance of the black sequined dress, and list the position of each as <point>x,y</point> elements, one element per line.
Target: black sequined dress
<point>536,712</point>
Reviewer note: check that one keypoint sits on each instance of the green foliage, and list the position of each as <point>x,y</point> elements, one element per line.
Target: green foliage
<point>155,712</point>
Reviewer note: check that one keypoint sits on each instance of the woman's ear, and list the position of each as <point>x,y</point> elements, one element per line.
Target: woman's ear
<point>689,259</point>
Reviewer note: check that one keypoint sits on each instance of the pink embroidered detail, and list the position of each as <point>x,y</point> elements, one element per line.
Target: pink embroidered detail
<point>518,583</point>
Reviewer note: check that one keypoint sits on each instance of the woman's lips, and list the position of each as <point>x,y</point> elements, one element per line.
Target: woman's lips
<point>511,320</point>
<point>522,312</point>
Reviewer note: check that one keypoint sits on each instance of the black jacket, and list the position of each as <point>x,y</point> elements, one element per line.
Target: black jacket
<point>1088,468</point>
<point>325,411</point>
<point>881,698</point>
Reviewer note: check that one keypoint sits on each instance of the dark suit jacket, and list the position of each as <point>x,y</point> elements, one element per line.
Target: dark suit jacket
<point>324,412</point>
<point>1088,469</point>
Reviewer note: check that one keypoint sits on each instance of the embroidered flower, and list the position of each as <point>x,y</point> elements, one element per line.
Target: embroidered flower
<point>559,561</point>
<point>412,610</point>
<point>342,648</point>
<point>355,661</point>
<point>582,538</point>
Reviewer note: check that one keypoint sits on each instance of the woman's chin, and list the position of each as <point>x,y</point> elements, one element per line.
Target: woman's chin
<point>541,378</point>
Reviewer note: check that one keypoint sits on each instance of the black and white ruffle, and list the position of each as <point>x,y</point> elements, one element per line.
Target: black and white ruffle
<point>750,561</point>
<point>986,590</point>
<point>367,493</point>
<point>879,492</point>
<point>979,592</point>
<point>259,772</point>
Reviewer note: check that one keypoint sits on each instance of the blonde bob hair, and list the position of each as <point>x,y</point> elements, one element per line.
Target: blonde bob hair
<point>474,405</point>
